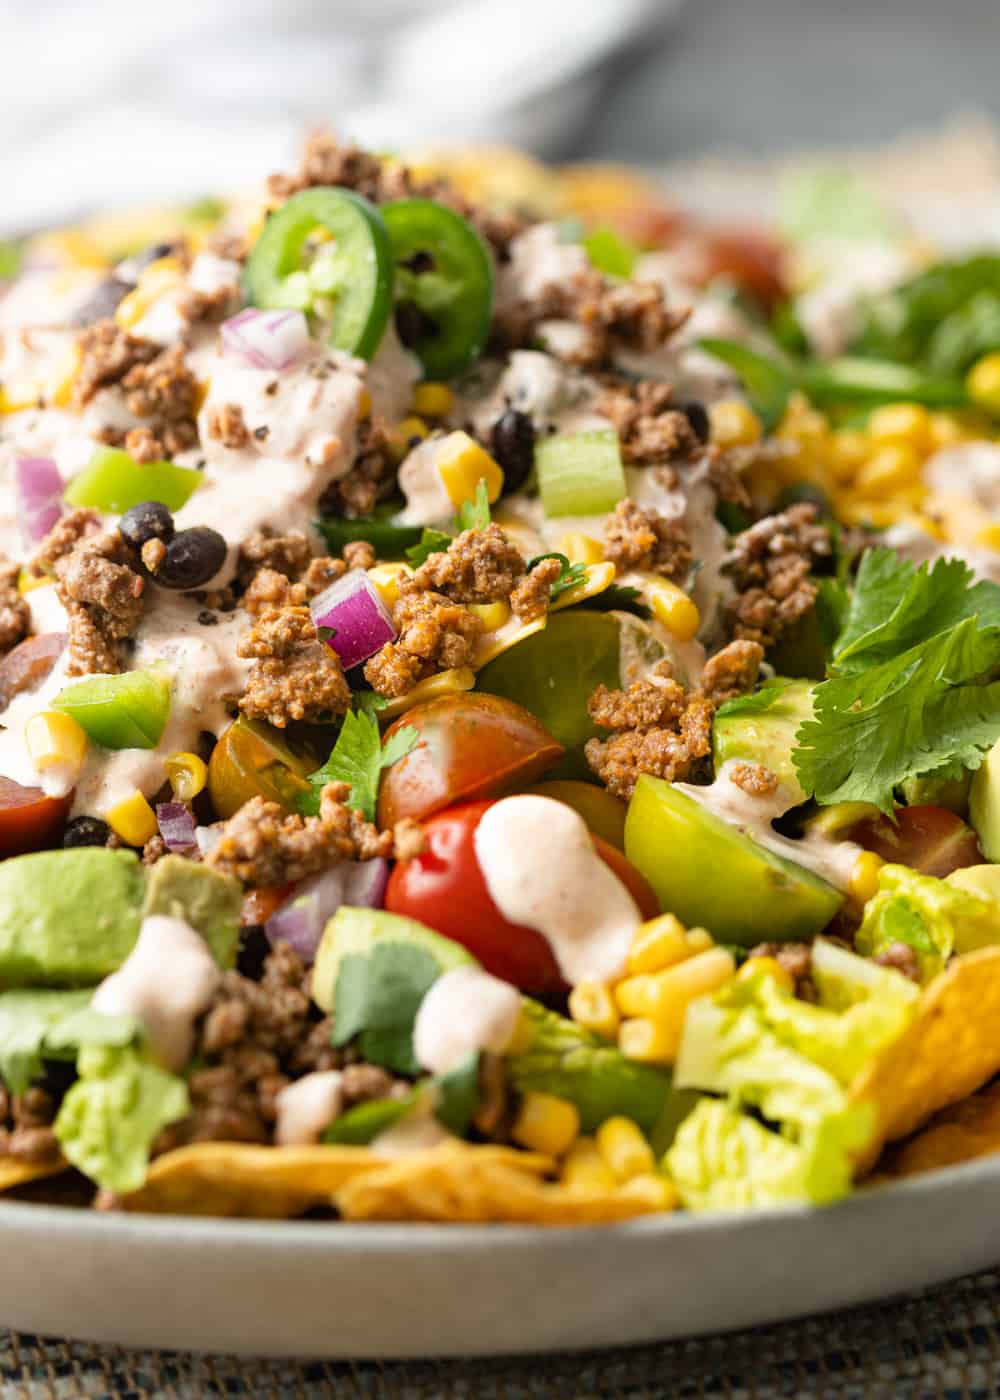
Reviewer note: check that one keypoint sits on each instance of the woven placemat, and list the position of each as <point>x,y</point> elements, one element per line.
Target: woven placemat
<point>943,1343</point>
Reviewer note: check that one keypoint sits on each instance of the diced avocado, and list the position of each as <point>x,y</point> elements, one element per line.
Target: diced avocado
<point>984,803</point>
<point>204,898</point>
<point>927,791</point>
<point>983,880</point>
<point>709,873</point>
<point>360,931</point>
<point>761,729</point>
<point>68,918</point>
<point>562,1058</point>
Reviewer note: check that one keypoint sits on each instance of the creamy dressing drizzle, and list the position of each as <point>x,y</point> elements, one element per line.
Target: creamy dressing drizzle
<point>831,860</point>
<point>464,1012</point>
<point>542,870</point>
<point>166,982</point>
<point>307,1107</point>
<point>417,1132</point>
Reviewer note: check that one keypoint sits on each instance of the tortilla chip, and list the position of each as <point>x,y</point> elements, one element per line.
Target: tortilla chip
<point>479,1185</point>
<point>15,1172</point>
<point>235,1178</point>
<point>961,1133</point>
<point>950,1049</point>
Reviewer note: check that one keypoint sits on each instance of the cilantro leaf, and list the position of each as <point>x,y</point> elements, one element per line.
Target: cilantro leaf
<point>358,758</point>
<point>927,710</point>
<point>368,702</point>
<point>570,575</point>
<point>618,598</point>
<point>377,999</point>
<point>430,542</point>
<point>475,514</point>
<point>457,1095</point>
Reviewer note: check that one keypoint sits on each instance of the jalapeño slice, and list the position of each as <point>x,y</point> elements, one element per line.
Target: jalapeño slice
<point>326,252</point>
<point>444,285</point>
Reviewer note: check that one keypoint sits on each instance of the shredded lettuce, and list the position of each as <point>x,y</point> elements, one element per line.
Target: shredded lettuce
<point>933,917</point>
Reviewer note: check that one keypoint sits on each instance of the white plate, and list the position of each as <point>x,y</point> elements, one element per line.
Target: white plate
<point>380,1291</point>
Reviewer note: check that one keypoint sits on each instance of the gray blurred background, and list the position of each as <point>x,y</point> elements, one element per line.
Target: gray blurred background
<point>108,102</point>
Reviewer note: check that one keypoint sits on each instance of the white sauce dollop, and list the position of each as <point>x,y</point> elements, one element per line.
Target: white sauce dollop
<point>307,1107</point>
<point>166,982</point>
<point>542,870</point>
<point>465,1011</point>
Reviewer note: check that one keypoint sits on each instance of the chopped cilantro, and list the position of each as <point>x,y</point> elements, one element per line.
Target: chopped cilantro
<point>377,999</point>
<point>570,575</point>
<point>358,757</point>
<point>430,542</point>
<point>475,514</point>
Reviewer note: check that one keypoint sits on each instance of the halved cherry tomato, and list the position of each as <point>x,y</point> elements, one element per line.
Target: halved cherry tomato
<point>253,760</point>
<point>444,888</point>
<point>29,821</point>
<point>28,664</point>
<point>930,839</point>
<point>749,257</point>
<point>471,745</point>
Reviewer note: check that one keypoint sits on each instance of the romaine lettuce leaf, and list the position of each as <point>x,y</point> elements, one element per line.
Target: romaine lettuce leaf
<point>931,916</point>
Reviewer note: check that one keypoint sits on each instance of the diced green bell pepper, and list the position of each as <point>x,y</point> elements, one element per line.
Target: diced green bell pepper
<point>120,712</point>
<point>115,482</point>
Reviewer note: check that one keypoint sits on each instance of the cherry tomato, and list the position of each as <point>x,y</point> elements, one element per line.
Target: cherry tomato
<point>253,760</point>
<point>28,664</point>
<point>471,745</point>
<point>29,821</point>
<point>444,888</point>
<point>749,257</point>
<point>930,839</point>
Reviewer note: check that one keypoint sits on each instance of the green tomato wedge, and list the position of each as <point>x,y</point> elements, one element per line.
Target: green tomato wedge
<point>120,712</point>
<point>115,482</point>
<point>444,284</point>
<point>344,280</point>
<point>580,473</point>
<point>709,874</point>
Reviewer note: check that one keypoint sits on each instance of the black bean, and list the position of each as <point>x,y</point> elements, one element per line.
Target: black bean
<point>696,415</point>
<point>192,557</point>
<point>512,439</point>
<point>85,831</point>
<point>149,521</point>
<point>412,324</point>
<point>253,950</point>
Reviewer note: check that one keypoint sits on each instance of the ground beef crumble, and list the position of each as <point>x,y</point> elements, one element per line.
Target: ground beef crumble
<point>434,634</point>
<point>26,1125</point>
<point>754,779</point>
<point>226,425</point>
<point>107,355</point>
<point>295,675</point>
<point>480,566</point>
<point>15,615</point>
<point>530,598</point>
<point>650,429</point>
<point>156,383</point>
<point>289,554</point>
<point>770,565</point>
<point>660,728</point>
<point>796,959</point>
<point>639,537</point>
<point>372,475</point>
<point>731,671</point>
<point>901,958</point>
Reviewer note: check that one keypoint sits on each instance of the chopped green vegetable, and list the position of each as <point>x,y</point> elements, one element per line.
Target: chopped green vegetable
<point>610,253</point>
<point>377,997</point>
<point>768,382</point>
<point>389,540</point>
<point>40,1025</point>
<point>358,757</point>
<point>580,473</point>
<point>430,542</point>
<point>127,711</point>
<point>829,202</point>
<point>570,575</point>
<point>931,916</point>
<point>10,258</point>
<point>115,482</point>
<point>475,514</point>
<point>360,1124</point>
<point>456,1095</point>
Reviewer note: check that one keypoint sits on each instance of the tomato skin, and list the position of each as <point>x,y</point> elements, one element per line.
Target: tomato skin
<point>471,745</point>
<point>253,760</point>
<point>444,888</point>
<point>29,821</point>
<point>932,840</point>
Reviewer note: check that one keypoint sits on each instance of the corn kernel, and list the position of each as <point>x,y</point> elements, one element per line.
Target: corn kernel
<point>592,1006</point>
<point>772,967</point>
<point>54,739</point>
<point>581,549</point>
<point>863,883</point>
<point>658,943</point>
<point>364,405</point>
<point>699,939</point>
<point>28,581</point>
<point>523,1036</point>
<point>385,578</point>
<point>946,431</point>
<point>655,1192</point>
<point>491,615</point>
<point>156,280</point>
<point>890,466</point>
<point>432,400</point>
<point>658,1039</point>
<point>462,464</point>
<point>734,423</point>
<point>187,773</point>
<point>983,382</point>
<point>133,819</point>
<point>624,1149</point>
<point>546,1123</point>
<point>989,537</point>
<point>585,1168</point>
<point>908,423</point>
<point>672,606</point>
<point>847,451</point>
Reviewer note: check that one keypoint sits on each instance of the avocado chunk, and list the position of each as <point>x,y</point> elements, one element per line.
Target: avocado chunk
<point>204,898</point>
<point>761,729</point>
<point>709,873</point>
<point>371,973</point>
<point>68,918</point>
<point>984,803</point>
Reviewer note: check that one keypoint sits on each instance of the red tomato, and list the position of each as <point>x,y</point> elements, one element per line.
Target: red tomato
<point>29,821</point>
<point>444,888</point>
<point>471,745</point>
<point>749,257</point>
<point>260,904</point>
<point>930,839</point>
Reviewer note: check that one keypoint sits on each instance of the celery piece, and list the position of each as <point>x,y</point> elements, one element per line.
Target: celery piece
<point>128,711</point>
<point>580,473</point>
<point>114,482</point>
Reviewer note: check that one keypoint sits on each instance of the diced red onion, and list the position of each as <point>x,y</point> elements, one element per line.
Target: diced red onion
<point>39,496</point>
<point>272,340</point>
<point>177,826</point>
<point>301,919</point>
<point>358,619</point>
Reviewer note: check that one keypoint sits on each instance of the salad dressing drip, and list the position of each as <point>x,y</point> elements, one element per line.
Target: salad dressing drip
<point>542,871</point>
<point>306,1107</point>
<point>464,1012</point>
